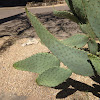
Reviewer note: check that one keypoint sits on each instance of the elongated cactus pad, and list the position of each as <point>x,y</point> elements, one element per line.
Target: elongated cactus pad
<point>93,46</point>
<point>66,14</point>
<point>96,62</point>
<point>77,41</point>
<point>53,76</point>
<point>38,63</point>
<point>92,8</point>
<point>76,60</point>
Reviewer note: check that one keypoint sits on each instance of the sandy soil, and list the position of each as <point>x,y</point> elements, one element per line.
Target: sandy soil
<point>21,85</point>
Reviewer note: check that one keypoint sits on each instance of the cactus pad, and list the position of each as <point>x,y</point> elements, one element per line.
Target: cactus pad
<point>66,14</point>
<point>53,76</point>
<point>93,46</point>
<point>78,9</point>
<point>77,41</point>
<point>86,28</point>
<point>92,8</point>
<point>96,62</point>
<point>38,63</point>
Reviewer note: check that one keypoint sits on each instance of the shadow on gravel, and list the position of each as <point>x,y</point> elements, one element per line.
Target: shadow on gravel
<point>10,18</point>
<point>77,86</point>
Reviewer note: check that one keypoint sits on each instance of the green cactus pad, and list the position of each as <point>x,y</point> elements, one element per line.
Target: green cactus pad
<point>65,14</point>
<point>75,59</point>
<point>37,63</point>
<point>93,46</point>
<point>77,41</point>
<point>98,53</point>
<point>96,62</point>
<point>92,8</point>
<point>86,28</point>
<point>53,76</point>
<point>78,9</point>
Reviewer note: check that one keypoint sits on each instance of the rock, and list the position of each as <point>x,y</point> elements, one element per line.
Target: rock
<point>30,42</point>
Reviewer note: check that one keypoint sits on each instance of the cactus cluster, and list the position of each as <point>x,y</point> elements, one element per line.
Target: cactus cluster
<point>67,51</point>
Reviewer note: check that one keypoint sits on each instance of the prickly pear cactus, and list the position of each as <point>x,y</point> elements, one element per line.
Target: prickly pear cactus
<point>59,49</point>
<point>87,15</point>
<point>92,8</point>
<point>78,10</point>
<point>67,51</point>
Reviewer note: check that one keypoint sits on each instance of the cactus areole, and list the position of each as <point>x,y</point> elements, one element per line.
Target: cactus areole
<point>86,13</point>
